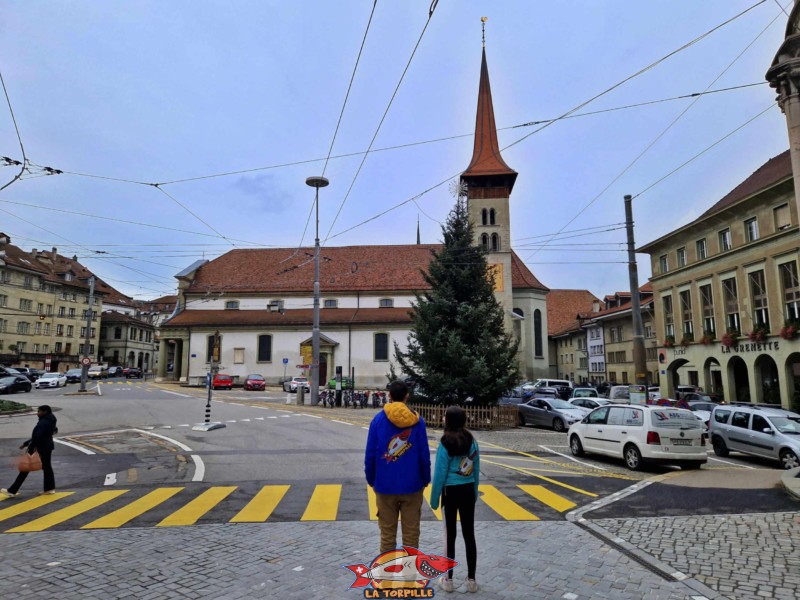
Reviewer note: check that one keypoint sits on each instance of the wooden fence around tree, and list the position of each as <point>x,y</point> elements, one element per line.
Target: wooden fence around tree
<point>478,417</point>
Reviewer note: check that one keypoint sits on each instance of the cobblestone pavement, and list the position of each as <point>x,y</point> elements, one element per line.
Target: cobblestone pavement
<point>739,556</point>
<point>543,560</point>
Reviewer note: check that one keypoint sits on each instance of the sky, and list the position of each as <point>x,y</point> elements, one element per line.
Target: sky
<point>123,96</point>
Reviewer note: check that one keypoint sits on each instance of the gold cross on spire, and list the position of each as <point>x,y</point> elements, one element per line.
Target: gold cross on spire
<point>483,30</point>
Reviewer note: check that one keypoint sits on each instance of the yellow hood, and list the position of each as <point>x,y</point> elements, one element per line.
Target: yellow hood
<point>400,415</point>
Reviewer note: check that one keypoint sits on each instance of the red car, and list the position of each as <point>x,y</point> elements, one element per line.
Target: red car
<point>255,382</point>
<point>222,381</point>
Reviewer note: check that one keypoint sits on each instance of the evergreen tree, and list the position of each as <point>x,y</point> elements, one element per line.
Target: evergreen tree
<point>458,347</point>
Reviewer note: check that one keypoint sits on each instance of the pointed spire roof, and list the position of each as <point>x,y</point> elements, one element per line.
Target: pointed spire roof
<point>486,158</point>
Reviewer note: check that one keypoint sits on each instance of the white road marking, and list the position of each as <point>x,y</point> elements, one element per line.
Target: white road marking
<point>272,417</point>
<point>166,427</point>
<point>727,462</point>
<point>233,421</point>
<point>259,418</point>
<point>245,420</point>
<point>199,468</point>
<point>288,411</point>
<point>367,428</point>
<point>111,479</point>
<point>163,437</point>
<point>286,416</point>
<point>572,458</point>
<point>76,446</point>
<point>183,425</point>
<point>175,394</point>
<point>342,422</point>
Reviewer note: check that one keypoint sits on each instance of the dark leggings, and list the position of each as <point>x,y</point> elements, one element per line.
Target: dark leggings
<point>460,500</point>
<point>47,469</point>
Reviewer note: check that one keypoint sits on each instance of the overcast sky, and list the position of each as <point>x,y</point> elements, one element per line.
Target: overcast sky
<point>155,92</point>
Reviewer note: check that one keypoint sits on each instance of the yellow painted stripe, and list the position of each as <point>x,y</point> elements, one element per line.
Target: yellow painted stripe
<point>189,514</point>
<point>427,494</point>
<point>373,504</point>
<point>68,512</point>
<point>543,478</point>
<point>503,505</point>
<point>261,506</point>
<point>553,500</point>
<point>33,503</point>
<point>134,509</point>
<point>324,503</point>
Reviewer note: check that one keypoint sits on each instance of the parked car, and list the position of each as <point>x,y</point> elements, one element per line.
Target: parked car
<point>653,393</point>
<point>97,372</point>
<point>50,380</point>
<point>15,383</point>
<point>221,381</point>
<point>255,382</point>
<point>772,433</point>
<point>683,390</point>
<point>134,373</point>
<point>641,433</point>
<point>291,384</point>
<point>588,404</point>
<point>584,392</point>
<point>702,410</point>
<point>618,393</point>
<point>9,372</point>
<point>551,383</point>
<point>31,374</point>
<point>73,375</point>
<point>550,412</point>
<point>115,371</point>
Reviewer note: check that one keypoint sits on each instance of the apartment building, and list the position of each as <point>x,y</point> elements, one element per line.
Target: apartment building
<point>569,356</point>
<point>727,293</point>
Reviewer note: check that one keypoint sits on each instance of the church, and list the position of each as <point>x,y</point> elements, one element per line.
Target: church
<point>260,300</point>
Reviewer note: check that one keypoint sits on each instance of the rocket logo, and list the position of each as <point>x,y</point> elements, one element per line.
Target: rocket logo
<point>401,568</point>
<point>397,446</point>
<point>467,465</point>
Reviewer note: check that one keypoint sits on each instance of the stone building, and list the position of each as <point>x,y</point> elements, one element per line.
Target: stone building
<point>126,341</point>
<point>569,354</point>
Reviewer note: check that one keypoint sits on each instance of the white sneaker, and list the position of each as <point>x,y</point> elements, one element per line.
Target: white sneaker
<point>6,493</point>
<point>447,584</point>
<point>472,585</point>
<point>47,493</point>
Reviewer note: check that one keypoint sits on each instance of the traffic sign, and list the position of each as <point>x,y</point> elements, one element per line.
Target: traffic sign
<point>286,361</point>
<point>303,366</point>
<point>86,361</point>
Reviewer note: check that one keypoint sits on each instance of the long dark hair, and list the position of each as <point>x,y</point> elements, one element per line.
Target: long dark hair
<point>457,439</point>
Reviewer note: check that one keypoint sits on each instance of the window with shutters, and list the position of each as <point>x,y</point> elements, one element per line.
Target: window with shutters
<point>791,290</point>
<point>758,294</point>
<point>782,217</point>
<point>730,297</point>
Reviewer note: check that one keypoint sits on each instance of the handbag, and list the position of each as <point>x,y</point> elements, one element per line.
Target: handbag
<point>29,462</point>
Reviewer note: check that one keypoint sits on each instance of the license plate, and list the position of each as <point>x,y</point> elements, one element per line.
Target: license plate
<point>680,442</point>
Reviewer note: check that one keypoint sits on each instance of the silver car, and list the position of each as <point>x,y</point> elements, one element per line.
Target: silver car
<point>549,412</point>
<point>771,433</point>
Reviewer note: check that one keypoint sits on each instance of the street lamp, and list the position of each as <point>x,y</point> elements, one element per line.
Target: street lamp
<point>316,182</point>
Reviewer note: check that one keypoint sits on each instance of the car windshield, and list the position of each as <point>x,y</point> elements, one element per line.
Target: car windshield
<point>256,377</point>
<point>301,379</point>
<point>789,425</point>
<point>7,380</point>
<point>74,372</point>
<point>559,404</point>
<point>585,393</point>
<point>49,376</point>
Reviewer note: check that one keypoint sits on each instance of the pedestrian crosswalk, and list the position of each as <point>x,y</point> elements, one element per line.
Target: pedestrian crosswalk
<point>180,506</point>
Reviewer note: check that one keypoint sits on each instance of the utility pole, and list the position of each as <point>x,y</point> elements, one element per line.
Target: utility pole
<point>87,340</point>
<point>639,359</point>
<point>316,182</point>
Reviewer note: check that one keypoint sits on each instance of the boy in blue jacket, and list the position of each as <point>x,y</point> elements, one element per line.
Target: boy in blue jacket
<point>397,463</point>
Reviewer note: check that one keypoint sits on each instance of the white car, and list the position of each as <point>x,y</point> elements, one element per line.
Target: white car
<point>291,385</point>
<point>641,433</point>
<point>588,404</point>
<point>52,380</point>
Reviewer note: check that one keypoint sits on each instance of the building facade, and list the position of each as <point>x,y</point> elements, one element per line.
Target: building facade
<point>727,293</point>
<point>569,354</point>
<point>126,341</point>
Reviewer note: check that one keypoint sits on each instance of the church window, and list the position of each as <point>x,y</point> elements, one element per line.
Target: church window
<point>491,217</point>
<point>381,346</point>
<point>386,302</point>
<point>485,241</point>
<point>537,333</point>
<point>484,217</point>
<point>495,242</point>
<point>264,348</point>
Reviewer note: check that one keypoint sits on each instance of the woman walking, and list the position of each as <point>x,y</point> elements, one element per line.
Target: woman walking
<point>41,441</point>
<point>455,481</point>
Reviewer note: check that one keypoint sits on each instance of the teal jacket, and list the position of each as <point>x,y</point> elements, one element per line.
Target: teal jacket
<point>455,470</point>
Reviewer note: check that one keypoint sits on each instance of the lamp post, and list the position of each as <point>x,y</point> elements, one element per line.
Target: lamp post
<point>316,182</point>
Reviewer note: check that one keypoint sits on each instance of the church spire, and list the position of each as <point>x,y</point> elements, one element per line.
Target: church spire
<point>487,168</point>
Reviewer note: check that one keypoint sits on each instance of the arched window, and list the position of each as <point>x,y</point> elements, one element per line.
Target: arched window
<point>519,311</point>
<point>484,219</point>
<point>485,241</point>
<point>491,217</point>
<point>537,333</point>
<point>495,242</point>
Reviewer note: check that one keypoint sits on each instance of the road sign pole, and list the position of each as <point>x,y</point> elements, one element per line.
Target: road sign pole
<point>86,360</point>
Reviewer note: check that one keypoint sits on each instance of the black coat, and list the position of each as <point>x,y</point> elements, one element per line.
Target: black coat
<point>42,436</point>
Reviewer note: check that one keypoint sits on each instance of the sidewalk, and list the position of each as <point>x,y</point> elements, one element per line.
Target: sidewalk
<point>539,560</point>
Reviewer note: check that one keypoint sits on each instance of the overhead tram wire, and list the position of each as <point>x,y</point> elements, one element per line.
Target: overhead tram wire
<point>383,118</point>
<point>663,132</point>
<point>563,116</point>
<point>532,237</point>
<point>24,163</point>
<point>186,208</point>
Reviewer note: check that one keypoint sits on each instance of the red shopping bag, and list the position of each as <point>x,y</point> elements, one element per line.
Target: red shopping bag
<point>29,462</point>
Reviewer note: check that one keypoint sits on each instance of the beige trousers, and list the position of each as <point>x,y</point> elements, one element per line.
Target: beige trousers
<point>409,508</point>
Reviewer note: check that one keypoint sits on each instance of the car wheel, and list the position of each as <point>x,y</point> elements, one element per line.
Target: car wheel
<point>720,448</point>
<point>558,425</point>
<point>633,458</point>
<point>789,459</point>
<point>575,446</point>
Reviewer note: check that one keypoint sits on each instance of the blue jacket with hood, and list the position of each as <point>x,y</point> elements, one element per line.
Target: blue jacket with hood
<point>397,458</point>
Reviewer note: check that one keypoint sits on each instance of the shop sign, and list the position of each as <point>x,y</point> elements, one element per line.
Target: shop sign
<point>752,347</point>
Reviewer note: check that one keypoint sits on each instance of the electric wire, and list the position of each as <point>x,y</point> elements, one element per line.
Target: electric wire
<point>19,137</point>
<point>186,208</point>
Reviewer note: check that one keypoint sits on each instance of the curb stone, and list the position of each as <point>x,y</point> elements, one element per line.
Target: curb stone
<point>791,482</point>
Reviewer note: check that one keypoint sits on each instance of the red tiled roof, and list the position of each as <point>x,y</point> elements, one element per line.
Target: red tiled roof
<point>563,307</point>
<point>627,306</point>
<point>342,269</point>
<point>292,317</point>
<point>113,316</point>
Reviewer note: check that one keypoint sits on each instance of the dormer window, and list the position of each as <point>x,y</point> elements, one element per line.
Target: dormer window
<point>67,276</point>
<point>330,303</point>
<point>386,303</point>
<point>275,306</point>
<point>231,305</point>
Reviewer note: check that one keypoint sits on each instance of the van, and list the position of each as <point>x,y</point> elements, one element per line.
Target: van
<point>553,383</point>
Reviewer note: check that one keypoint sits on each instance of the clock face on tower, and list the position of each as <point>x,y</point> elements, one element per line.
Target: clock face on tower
<point>497,275</point>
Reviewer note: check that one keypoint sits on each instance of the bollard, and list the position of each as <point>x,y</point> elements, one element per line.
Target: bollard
<point>301,395</point>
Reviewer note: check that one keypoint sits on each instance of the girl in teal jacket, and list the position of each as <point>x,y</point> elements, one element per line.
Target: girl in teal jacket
<point>455,481</point>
